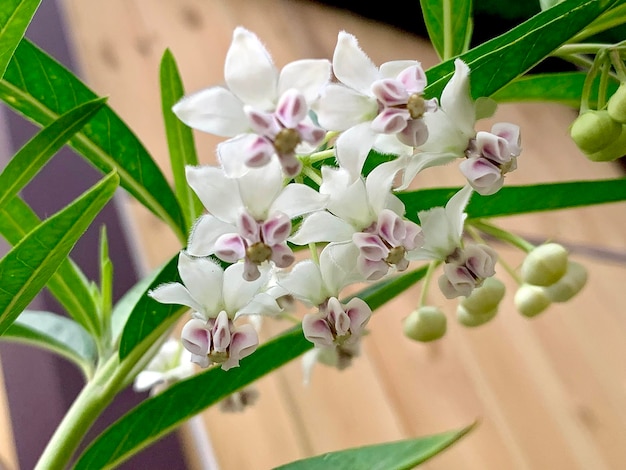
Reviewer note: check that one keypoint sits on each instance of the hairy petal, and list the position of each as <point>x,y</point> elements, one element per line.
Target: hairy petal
<point>352,66</point>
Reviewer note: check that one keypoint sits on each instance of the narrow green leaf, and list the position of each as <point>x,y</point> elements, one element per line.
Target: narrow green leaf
<point>180,140</point>
<point>498,61</point>
<point>400,455</point>
<point>36,153</point>
<point>449,23</point>
<point>512,200</point>
<point>68,284</point>
<point>25,269</point>
<point>54,333</point>
<point>15,16</point>
<point>41,89</point>
<point>161,414</point>
<point>562,87</point>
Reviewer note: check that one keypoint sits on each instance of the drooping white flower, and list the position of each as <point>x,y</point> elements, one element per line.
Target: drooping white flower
<point>265,111</point>
<point>170,364</point>
<point>249,217</point>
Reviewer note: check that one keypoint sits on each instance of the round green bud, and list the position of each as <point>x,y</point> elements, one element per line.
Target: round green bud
<point>484,298</point>
<point>617,105</point>
<point>594,130</point>
<point>615,150</point>
<point>545,265</point>
<point>569,285</point>
<point>425,324</point>
<point>531,300</point>
<point>467,318</point>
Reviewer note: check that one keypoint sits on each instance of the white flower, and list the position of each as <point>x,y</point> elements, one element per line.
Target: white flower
<point>170,364</point>
<point>265,111</point>
<point>249,217</point>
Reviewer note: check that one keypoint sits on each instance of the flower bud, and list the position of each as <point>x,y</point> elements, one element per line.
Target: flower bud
<point>617,105</point>
<point>613,151</point>
<point>545,265</point>
<point>425,324</point>
<point>531,300</point>
<point>470,319</point>
<point>594,130</point>
<point>485,298</point>
<point>569,285</point>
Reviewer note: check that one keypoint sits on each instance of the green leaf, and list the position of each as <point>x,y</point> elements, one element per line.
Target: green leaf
<point>25,269</point>
<point>161,414</point>
<point>512,200</point>
<point>41,89</point>
<point>36,153</point>
<point>498,61</point>
<point>15,16</point>
<point>400,455</point>
<point>68,284</point>
<point>449,25</point>
<point>563,87</point>
<point>180,140</point>
<point>57,334</point>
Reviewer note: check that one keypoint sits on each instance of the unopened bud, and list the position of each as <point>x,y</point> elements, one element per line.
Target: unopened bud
<point>468,318</point>
<point>569,285</point>
<point>617,105</point>
<point>545,265</point>
<point>531,300</point>
<point>615,150</point>
<point>594,130</point>
<point>425,324</point>
<point>485,298</point>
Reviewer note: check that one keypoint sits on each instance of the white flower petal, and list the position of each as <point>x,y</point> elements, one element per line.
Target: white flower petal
<point>216,191</point>
<point>206,230</point>
<point>455,210</point>
<point>456,100</point>
<point>422,160</point>
<point>304,282</point>
<point>250,72</point>
<point>338,266</point>
<point>261,304</point>
<point>214,110</point>
<point>297,199</point>
<point>393,68</point>
<point>232,154</point>
<point>340,108</point>
<point>174,293</point>
<point>322,227</point>
<point>259,187</point>
<point>378,185</point>
<point>237,291</point>
<point>352,66</point>
<point>353,146</point>
<point>146,379</point>
<point>203,278</point>
<point>308,76</point>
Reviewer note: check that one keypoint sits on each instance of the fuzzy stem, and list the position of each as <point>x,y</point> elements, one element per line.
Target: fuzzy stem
<point>503,235</point>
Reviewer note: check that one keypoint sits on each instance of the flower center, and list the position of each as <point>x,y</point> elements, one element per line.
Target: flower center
<point>286,141</point>
<point>218,357</point>
<point>258,252</point>
<point>396,254</point>
<point>416,106</point>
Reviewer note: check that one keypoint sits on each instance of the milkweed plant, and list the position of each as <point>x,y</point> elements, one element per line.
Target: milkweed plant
<point>313,213</point>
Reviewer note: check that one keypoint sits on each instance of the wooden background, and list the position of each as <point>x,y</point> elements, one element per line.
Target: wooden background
<point>550,393</point>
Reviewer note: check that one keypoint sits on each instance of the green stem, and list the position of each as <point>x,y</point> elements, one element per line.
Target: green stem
<point>321,155</point>
<point>503,235</point>
<point>426,284</point>
<point>447,30</point>
<point>585,48</point>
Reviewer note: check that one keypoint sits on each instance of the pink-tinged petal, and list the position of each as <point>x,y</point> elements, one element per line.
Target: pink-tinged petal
<point>391,227</point>
<point>297,199</point>
<point>257,153</point>
<point>244,342</point>
<point>390,121</point>
<point>480,260</point>
<point>308,76</point>
<point>322,227</point>
<point>460,278</point>
<point>456,100</point>
<point>336,317</point>
<point>394,68</point>
<point>414,134</point>
<point>389,144</point>
<point>217,192</point>
<point>282,256</point>
<point>262,123</point>
<point>195,337</point>
<point>414,237</point>
<point>247,58</point>
<point>370,246</point>
<point>276,229</point>
<point>237,291</point>
<point>234,154</point>
<point>230,248</point>
<point>352,66</point>
<point>304,282</point>
<point>292,108</point>
<point>339,108</point>
<point>316,330</point>
<point>511,133</point>
<point>310,133</point>
<point>413,78</point>
<point>248,227</point>
<point>251,270</point>
<point>174,293</point>
<point>372,270</point>
<point>493,147</point>
<point>359,313</point>
<point>201,360</point>
<point>206,230</point>
<point>390,92</point>
<point>482,175</point>
<point>290,164</point>
<point>214,110</point>
<point>220,332</point>
<point>203,278</point>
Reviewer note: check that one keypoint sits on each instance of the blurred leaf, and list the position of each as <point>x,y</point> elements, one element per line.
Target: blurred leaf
<point>54,333</point>
<point>15,16</point>
<point>36,153</point>
<point>449,24</point>
<point>401,455</point>
<point>25,269</point>
<point>41,89</point>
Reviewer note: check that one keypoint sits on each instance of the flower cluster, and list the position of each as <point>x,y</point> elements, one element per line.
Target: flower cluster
<point>292,174</point>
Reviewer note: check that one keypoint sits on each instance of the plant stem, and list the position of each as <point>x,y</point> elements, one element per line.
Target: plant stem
<point>503,235</point>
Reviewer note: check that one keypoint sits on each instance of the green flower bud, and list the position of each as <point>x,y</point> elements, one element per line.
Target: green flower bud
<point>545,265</point>
<point>425,324</point>
<point>484,298</point>
<point>467,318</point>
<point>531,300</point>
<point>569,285</point>
<point>617,105</point>
<point>613,151</point>
<point>594,130</point>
